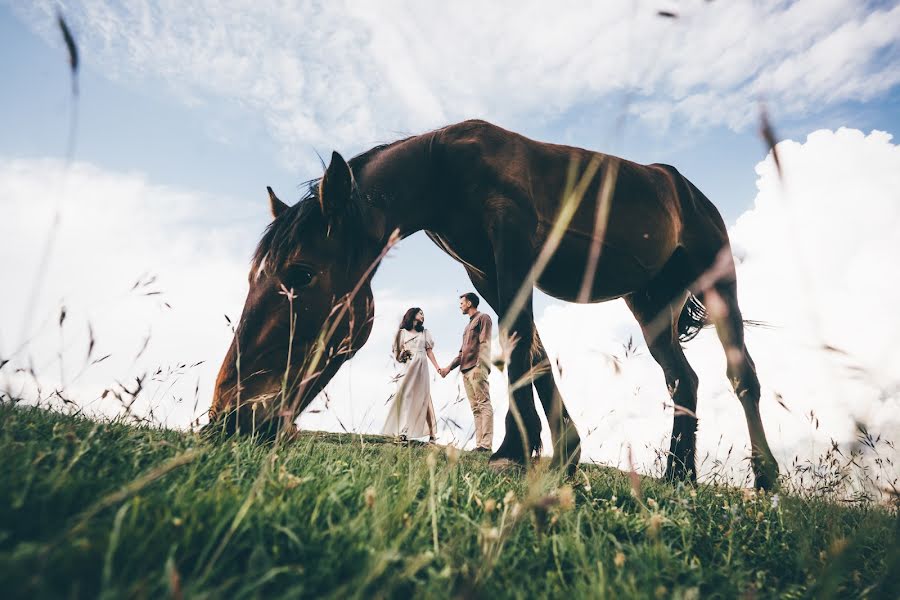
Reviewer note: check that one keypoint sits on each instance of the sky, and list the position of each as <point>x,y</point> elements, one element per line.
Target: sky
<point>185,114</point>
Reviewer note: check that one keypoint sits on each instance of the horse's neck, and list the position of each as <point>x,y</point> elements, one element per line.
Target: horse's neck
<point>398,181</point>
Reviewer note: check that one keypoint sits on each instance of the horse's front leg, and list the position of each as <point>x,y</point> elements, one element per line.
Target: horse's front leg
<point>563,433</point>
<point>523,426</point>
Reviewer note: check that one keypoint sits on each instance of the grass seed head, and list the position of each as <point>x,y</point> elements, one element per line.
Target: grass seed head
<point>566,498</point>
<point>490,534</point>
<point>654,523</point>
<point>838,546</point>
<point>452,455</point>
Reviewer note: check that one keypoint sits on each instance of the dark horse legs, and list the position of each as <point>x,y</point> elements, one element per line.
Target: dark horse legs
<point>658,315</point>
<point>564,435</point>
<point>523,426</point>
<point>725,313</point>
<point>657,310</point>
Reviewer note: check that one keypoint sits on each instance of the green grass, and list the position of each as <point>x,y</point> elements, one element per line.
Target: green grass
<point>108,509</point>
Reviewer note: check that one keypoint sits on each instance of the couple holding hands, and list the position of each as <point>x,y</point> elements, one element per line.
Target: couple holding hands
<point>412,413</point>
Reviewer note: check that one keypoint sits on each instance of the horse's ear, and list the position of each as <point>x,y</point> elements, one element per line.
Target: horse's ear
<point>275,205</point>
<point>337,186</point>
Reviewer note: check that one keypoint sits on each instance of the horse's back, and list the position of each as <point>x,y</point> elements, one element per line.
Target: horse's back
<point>494,170</point>
<point>482,156</point>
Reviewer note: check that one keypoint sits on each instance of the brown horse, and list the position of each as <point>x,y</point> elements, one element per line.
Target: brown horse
<point>490,198</point>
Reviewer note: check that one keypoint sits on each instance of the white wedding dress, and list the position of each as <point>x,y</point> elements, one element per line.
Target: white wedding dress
<point>412,408</point>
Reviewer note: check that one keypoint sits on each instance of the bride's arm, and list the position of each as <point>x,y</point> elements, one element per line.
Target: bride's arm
<point>429,344</point>
<point>433,360</point>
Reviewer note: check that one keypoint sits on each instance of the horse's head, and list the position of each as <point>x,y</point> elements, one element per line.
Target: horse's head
<point>309,307</point>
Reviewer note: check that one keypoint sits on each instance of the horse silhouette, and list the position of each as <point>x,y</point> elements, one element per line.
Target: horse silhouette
<point>517,213</point>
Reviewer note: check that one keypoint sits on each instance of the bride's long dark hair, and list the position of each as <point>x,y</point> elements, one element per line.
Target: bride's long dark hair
<point>408,322</point>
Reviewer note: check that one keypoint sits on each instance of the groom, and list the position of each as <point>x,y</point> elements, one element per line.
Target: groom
<point>474,360</point>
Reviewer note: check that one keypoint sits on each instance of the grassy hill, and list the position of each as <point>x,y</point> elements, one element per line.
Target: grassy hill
<point>107,509</point>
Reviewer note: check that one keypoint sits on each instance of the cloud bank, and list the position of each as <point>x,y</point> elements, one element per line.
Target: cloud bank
<point>144,269</point>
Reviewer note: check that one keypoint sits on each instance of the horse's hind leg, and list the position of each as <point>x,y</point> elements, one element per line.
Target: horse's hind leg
<point>721,302</point>
<point>707,245</point>
<point>657,313</point>
<point>566,441</point>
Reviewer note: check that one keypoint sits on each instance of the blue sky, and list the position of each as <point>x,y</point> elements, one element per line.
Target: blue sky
<point>220,148</point>
<point>219,101</point>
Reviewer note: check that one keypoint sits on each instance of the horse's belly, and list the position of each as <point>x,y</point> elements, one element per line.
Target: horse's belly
<point>618,272</point>
<point>473,255</point>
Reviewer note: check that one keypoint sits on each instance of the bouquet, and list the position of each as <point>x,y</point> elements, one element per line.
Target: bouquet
<point>405,355</point>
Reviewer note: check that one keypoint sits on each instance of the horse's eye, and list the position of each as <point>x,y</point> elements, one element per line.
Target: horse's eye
<point>301,277</point>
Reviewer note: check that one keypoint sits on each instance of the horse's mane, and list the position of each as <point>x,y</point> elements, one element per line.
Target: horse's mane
<point>280,238</point>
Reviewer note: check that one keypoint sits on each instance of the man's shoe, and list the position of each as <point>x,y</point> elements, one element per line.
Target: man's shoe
<point>480,449</point>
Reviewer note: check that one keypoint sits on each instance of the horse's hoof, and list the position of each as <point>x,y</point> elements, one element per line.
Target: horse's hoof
<point>765,473</point>
<point>766,481</point>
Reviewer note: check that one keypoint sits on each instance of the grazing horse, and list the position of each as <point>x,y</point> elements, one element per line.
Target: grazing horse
<point>491,199</point>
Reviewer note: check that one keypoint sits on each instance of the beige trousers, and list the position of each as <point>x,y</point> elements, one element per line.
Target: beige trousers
<point>479,392</point>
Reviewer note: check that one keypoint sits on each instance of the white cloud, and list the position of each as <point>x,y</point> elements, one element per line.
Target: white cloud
<point>116,229</point>
<point>345,75</point>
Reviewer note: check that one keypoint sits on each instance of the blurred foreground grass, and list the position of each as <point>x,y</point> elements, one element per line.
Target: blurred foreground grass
<point>108,509</point>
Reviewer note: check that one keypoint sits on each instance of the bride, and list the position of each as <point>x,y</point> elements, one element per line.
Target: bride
<point>412,414</point>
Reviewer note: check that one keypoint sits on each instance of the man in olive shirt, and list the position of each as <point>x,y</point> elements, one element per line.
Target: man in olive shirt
<point>474,360</point>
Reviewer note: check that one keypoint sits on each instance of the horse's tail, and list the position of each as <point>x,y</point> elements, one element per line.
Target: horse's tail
<point>707,240</point>
<point>692,319</point>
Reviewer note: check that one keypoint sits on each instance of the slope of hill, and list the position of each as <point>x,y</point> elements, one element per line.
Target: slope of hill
<point>110,509</point>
